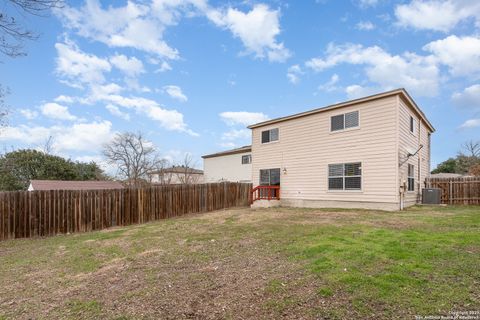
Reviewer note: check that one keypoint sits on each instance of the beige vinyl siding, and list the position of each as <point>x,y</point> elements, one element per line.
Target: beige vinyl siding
<point>409,141</point>
<point>306,147</point>
<point>227,168</point>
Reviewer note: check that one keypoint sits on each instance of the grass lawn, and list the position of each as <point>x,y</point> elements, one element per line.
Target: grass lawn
<point>263,264</point>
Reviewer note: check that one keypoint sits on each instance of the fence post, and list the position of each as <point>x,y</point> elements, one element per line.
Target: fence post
<point>450,192</point>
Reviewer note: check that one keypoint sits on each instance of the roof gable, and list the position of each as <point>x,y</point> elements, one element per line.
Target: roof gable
<point>397,92</point>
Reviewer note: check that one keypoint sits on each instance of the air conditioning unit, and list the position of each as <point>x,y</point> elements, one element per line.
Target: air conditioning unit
<point>431,196</point>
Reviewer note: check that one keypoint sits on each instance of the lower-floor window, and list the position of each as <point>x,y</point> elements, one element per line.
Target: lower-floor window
<point>411,177</point>
<point>270,177</point>
<point>345,176</point>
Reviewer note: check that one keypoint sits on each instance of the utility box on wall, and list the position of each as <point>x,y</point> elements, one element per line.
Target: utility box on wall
<point>431,196</point>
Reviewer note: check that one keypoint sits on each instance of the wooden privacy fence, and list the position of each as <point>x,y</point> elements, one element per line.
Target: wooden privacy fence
<point>462,190</point>
<point>26,214</point>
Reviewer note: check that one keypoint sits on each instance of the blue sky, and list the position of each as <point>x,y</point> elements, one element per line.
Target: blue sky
<point>192,74</point>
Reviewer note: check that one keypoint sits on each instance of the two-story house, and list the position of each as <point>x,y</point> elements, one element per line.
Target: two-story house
<point>372,152</point>
<point>232,165</point>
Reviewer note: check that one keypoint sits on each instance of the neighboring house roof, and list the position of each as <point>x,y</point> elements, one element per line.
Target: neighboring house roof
<point>445,175</point>
<point>229,152</point>
<point>178,169</point>
<point>401,92</point>
<point>73,185</point>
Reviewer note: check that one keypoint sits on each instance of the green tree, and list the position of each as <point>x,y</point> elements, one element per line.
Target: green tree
<point>90,171</point>
<point>466,158</point>
<point>17,168</point>
<point>447,166</point>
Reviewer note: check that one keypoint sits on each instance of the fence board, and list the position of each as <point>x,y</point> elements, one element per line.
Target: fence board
<point>462,190</point>
<point>26,214</point>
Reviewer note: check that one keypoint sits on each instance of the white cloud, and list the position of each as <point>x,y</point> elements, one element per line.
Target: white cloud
<point>294,73</point>
<point>56,111</point>
<point>83,136</point>
<point>64,99</point>
<point>242,117</point>
<point>368,3</point>
<point>438,15</point>
<point>79,68</point>
<point>468,98</point>
<point>132,25</point>
<point>29,114</point>
<point>331,84</point>
<point>471,123</point>
<point>109,94</point>
<point>142,26</point>
<point>235,134</point>
<point>419,74</point>
<point>78,137</point>
<point>227,145</point>
<point>257,29</point>
<point>235,137</point>
<point>175,92</point>
<point>460,54</point>
<point>134,84</point>
<point>357,91</point>
<point>164,66</point>
<point>365,26</point>
<point>168,119</point>
<point>132,67</point>
<point>114,110</point>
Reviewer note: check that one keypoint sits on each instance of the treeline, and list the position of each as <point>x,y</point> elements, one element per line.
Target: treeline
<point>18,167</point>
<point>466,162</point>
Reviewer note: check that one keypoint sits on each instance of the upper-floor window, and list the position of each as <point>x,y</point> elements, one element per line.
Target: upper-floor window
<point>413,124</point>
<point>246,159</point>
<point>345,176</point>
<point>270,135</point>
<point>411,177</point>
<point>344,121</point>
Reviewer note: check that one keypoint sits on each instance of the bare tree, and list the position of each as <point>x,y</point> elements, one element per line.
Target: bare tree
<point>471,149</point>
<point>48,146</point>
<point>164,176</point>
<point>12,32</point>
<point>133,156</point>
<point>186,173</point>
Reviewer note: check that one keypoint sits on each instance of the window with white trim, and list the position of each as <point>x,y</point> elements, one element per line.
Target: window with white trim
<point>411,177</point>
<point>344,121</point>
<point>345,176</point>
<point>247,159</point>
<point>270,135</point>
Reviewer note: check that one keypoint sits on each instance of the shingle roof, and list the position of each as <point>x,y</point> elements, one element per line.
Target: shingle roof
<point>74,185</point>
<point>228,152</point>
